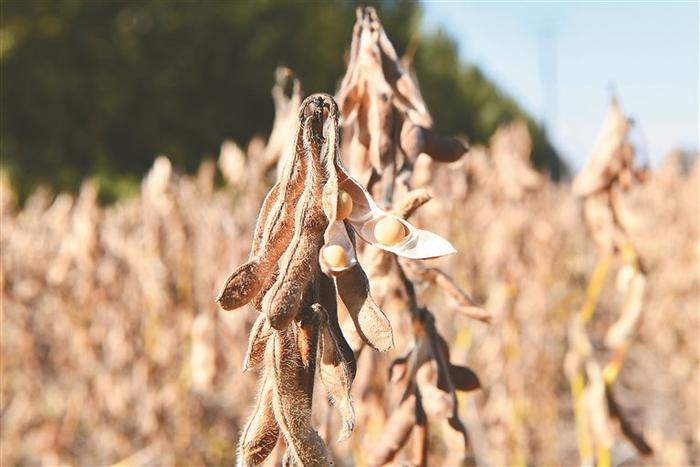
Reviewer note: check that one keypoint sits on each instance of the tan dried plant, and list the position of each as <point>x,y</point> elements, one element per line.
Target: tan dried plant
<point>386,119</point>
<point>301,268</point>
<point>608,173</point>
<point>388,125</point>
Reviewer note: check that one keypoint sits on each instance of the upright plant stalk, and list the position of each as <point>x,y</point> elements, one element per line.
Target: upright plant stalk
<point>608,172</point>
<point>388,126</point>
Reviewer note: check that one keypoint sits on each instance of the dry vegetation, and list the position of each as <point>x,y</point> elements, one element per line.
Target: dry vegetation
<point>114,349</point>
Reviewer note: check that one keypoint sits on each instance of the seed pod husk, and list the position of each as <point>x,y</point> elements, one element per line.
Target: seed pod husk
<point>257,341</point>
<point>371,323</point>
<point>272,235</point>
<point>292,399</point>
<point>299,263</point>
<point>260,434</point>
<point>336,373</point>
<point>416,140</point>
<point>395,434</point>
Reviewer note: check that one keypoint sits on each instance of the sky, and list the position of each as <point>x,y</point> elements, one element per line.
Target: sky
<point>562,61</point>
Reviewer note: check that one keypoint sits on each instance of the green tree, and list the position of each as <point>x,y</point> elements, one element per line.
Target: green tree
<point>97,87</point>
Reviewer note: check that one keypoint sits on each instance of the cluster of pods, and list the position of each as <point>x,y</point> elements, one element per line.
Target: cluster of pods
<point>302,268</point>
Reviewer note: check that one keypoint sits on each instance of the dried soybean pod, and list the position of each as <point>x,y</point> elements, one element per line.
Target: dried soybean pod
<point>336,374</point>
<point>328,301</point>
<point>291,400</point>
<point>381,124</point>
<point>371,323</point>
<point>441,354</point>
<point>260,434</point>
<point>436,402</point>
<point>308,330</point>
<point>395,434</point>
<point>299,264</point>
<point>259,335</point>
<point>247,280</point>
<point>269,202</point>
<point>348,93</point>
<point>464,378</point>
<point>417,139</point>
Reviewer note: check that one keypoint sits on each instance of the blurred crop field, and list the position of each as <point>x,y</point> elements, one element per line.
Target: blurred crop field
<point>114,350</point>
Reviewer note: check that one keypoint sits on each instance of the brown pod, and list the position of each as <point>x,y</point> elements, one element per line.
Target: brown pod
<point>260,434</point>
<point>381,124</point>
<point>269,202</point>
<point>336,374</point>
<point>464,378</point>
<point>259,335</point>
<point>371,323</point>
<point>244,284</point>
<point>282,302</point>
<point>272,235</point>
<point>417,139</point>
<point>328,301</point>
<point>395,433</point>
<point>291,400</point>
<point>299,264</point>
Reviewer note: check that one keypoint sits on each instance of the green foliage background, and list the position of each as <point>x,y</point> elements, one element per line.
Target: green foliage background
<point>99,88</point>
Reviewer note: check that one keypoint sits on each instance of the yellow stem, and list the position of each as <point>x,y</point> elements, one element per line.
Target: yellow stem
<point>595,287</point>
<point>603,457</point>
<point>585,447</point>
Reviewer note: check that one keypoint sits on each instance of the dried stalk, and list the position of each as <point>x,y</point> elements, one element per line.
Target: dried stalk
<point>608,171</point>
